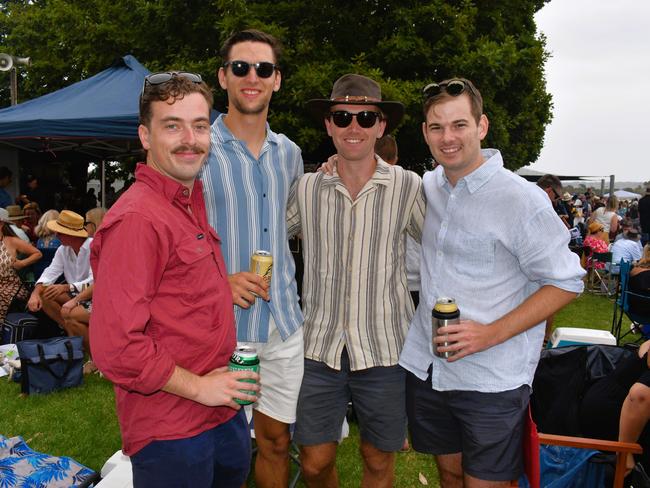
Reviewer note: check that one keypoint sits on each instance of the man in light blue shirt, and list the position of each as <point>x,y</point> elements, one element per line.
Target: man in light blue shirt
<point>246,185</point>
<point>627,248</point>
<point>493,242</point>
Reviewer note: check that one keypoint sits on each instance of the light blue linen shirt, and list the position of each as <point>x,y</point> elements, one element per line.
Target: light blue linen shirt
<point>246,202</point>
<point>489,242</point>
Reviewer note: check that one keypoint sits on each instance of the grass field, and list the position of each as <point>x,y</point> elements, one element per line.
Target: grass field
<point>81,422</point>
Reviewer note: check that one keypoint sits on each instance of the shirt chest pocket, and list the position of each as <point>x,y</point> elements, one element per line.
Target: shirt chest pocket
<point>193,252</point>
<point>474,255</point>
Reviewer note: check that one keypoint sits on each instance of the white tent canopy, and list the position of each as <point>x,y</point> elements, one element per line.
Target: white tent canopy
<point>625,195</point>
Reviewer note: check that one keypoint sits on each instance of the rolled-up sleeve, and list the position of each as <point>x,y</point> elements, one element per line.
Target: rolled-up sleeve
<point>55,269</point>
<point>546,258</point>
<point>128,259</point>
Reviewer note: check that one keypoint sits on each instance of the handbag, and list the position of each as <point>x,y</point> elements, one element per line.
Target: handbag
<point>51,364</point>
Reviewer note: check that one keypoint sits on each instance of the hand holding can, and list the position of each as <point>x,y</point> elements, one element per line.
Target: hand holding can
<point>244,359</point>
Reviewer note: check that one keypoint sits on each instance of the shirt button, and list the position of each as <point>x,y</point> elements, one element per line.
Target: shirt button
<point>264,195</point>
<point>265,229</point>
<point>439,253</point>
<point>186,192</point>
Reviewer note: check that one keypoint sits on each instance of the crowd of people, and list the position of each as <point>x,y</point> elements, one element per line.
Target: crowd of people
<point>45,263</point>
<point>173,295</point>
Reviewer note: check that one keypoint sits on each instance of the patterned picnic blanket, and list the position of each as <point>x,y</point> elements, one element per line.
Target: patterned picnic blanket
<point>22,467</point>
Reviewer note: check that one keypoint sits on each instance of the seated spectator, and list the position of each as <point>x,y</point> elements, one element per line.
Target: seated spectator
<point>5,181</point>
<point>46,238</point>
<point>10,249</point>
<point>94,218</point>
<point>32,214</point>
<point>72,260</point>
<point>640,283</point>
<point>595,241</point>
<point>628,248</point>
<point>16,218</point>
<point>76,319</point>
<point>617,406</point>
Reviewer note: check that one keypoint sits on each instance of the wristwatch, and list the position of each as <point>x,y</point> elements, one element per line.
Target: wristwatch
<point>73,289</point>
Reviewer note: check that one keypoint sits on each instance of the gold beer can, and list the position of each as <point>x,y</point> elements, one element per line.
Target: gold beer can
<point>262,264</point>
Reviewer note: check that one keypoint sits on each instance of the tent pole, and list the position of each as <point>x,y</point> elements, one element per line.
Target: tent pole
<point>103,183</point>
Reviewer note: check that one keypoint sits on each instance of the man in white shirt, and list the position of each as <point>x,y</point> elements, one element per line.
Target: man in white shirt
<point>627,248</point>
<point>72,260</point>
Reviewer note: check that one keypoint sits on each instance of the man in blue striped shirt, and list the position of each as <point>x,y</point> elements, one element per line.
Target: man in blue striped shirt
<point>246,184</point>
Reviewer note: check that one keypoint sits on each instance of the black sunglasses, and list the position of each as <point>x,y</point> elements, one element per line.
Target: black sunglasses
<point>453,88</point>
<point>365,119</point>
<point>241,68</point>
<point>163,77</point>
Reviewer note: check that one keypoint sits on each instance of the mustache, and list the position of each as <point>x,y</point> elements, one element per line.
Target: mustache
<point>195,149</point>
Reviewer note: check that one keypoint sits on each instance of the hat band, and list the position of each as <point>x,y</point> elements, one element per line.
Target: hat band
<point>355,98</point>
<point>69,226</point>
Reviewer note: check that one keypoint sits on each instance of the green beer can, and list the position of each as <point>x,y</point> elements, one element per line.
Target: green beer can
<point>244,359</point>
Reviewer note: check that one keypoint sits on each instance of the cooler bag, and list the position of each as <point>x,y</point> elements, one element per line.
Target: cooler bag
<point>50,364</point>
<point>18,326</point>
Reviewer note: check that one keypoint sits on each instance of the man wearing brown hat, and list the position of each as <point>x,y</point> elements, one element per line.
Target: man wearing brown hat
<point>357,306</point>
<point>72,260</point>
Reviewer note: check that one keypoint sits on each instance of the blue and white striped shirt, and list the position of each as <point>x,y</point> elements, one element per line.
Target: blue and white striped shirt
<point>490,242</point>
<point>246,201</point>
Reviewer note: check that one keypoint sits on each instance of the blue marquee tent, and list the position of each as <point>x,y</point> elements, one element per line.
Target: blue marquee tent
<point>97,116</point>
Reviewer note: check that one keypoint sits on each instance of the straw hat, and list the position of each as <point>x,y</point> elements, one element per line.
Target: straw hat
<point>69,223</point>
<point>566,197</point>
<point>352,89</point>
<point>15,212</point>
<point>595,227</point>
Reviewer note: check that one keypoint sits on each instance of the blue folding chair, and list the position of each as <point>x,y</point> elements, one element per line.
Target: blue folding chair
<point>640,323</point>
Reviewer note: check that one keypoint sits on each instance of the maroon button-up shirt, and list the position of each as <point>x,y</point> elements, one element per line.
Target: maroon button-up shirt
<point>161,299</point>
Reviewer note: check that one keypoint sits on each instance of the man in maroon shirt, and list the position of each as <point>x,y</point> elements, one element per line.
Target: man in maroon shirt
<point>162,328</point>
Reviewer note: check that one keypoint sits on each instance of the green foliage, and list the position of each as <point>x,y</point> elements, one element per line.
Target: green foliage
<point>404,44</point>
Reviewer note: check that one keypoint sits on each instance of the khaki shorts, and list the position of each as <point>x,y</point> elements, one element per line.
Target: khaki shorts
<point>281,367</point>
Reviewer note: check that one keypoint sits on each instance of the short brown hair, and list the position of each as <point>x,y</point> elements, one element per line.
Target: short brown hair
<point>475,98</point>
<point>251,35</point>
<point>386,148</point>
<point>550,181</point>
<point>170,91</point>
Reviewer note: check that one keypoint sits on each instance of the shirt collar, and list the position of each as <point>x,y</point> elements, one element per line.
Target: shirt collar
<point>381,176</point>
<point>224,135</point>
<point>481,175</point>
<point>171,189</point>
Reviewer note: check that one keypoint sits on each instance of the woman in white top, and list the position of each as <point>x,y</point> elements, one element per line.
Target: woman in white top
<point>607,216</point>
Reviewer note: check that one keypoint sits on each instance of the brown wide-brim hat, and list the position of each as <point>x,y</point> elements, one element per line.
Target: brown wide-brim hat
<point>354,89</point>
<point>15,212</point>
<point>68,223</point>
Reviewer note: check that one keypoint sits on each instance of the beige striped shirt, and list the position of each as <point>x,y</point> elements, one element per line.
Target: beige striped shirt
<point>355,291</point>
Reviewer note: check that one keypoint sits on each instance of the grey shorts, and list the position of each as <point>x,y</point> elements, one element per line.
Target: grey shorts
<point>377,394</point>
<point>487,428</point>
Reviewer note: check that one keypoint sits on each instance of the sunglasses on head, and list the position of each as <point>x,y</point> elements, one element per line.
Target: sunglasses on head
<point>453,88</point>
<point>164,77</point>
<point>365,119</point>
<point>241,68</point>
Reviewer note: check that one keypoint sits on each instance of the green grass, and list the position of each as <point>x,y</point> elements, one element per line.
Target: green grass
<point>81,422</point>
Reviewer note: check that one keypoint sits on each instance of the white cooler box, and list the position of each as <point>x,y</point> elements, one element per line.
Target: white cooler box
<point>116,472</point>
<point>571,336</point>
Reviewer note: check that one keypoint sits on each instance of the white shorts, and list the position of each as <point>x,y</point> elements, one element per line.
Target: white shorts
<point>281,367</point>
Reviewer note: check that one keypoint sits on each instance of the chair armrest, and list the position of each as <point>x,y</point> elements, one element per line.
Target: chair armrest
<point>587,443</point>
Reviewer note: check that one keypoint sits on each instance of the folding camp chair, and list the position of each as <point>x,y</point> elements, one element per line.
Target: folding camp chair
<point>562,377</point>
<point>601,281</point>
<point>640,323</point>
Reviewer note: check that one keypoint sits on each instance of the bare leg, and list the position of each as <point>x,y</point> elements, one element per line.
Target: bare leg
<point>273,442</point>
<point>76,324</point>
<point>318,464</point>
<point>53,307</point>
<point>471,482</point>
<point>378,467</point>
<point>450,470</point>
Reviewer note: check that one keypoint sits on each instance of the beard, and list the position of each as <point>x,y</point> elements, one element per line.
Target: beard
<point>246,110</point>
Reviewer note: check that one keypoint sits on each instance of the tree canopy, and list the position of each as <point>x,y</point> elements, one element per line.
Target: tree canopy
<point>403,44</point>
